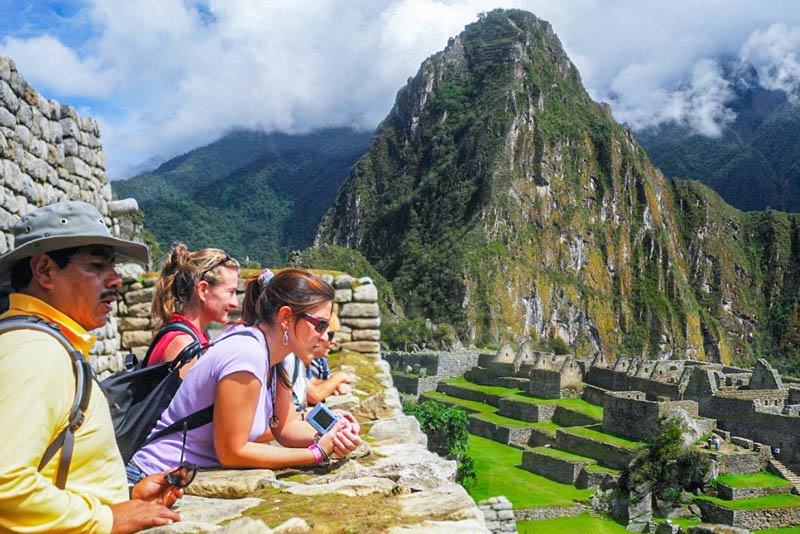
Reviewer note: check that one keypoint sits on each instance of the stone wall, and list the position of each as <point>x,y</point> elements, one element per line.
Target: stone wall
<point>498,514</point>
<point>419,372</point>
<point>607,454</point>
<point>49,153</point>
<point>742,417</point>
<point>730,493</point>
<point>758,519</point>
<point>629,414</point>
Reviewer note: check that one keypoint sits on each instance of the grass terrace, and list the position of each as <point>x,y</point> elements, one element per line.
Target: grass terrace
<point>600,469</point>
<point>596,433</point>
<point>771,501</point>
<point>563,455</point>
<point>576,405</point>
<point>468,405</point>
<point>787,530</point>
<point>755,480</point>
<point>491,390</point>
<point>499,473</point>
<point>572,525</point>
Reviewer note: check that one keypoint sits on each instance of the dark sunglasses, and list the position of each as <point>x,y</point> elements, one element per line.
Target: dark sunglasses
<point>331,333</point>
<point>320,325</point>
<point>184,474</point>
<point>223,261</point>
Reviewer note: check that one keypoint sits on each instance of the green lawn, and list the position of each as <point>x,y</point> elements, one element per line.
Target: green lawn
<point>771,501</point>
<point>755,480</point>
<point>787,530</point>
<point>579,524</point>
<point>547,428</point>
<point>576,405</point>
<point>492,390</point>
<point>504,421</point>
<point>563,455</point>
<point>596,432</point>
<point>468,405</point>
<point>600,469</point>
<point>499,473</point>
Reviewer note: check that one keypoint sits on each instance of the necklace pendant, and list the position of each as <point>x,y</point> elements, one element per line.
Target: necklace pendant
<point>273,421</point>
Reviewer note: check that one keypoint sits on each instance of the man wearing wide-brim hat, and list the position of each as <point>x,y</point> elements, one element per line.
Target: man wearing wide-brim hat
<point>62,270</point>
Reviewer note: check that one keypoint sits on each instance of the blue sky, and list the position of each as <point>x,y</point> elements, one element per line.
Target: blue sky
<point>165,76</point>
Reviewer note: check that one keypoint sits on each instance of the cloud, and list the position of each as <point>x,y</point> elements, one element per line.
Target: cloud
<point>51,66</point>
<point>700,104</point>
<point>164,76</point>
<point>774,54</point>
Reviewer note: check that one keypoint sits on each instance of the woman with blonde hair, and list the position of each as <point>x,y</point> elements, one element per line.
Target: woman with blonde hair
<point>242,381</point>
<point>194,288</point>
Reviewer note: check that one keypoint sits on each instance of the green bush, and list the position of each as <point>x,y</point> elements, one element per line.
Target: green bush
<point>666,466</point>
<point>448,434</point>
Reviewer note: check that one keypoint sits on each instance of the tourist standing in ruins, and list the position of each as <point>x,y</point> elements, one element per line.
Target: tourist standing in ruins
<point>194,288</point>
<point>242,377</point>
<point>62,271</point>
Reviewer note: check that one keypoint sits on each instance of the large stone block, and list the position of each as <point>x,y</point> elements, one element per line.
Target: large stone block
<point>343,295</point>
<point>365,293</point>
<point>134,323</point>
<point>138,296</point>
<point>8,97</point>
<point>343,281</point>
<point>136,338</point>
<point>360,309</point>
<point>362,346</point>
<point>7,119</point>
<point>366,335</point>
<point>356,323</point>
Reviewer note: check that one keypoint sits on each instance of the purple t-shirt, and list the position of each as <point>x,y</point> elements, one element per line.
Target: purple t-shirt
<point>226,356</point>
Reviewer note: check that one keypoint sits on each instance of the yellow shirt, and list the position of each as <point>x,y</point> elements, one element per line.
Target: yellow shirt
<point>37,389</point>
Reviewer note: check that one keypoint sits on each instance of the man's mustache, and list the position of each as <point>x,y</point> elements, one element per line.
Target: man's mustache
<point>111,293</point>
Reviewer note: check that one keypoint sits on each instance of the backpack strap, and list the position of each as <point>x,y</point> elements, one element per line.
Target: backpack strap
<point>175,326</point>
<point>198,418</point>
<point>83,390</point>
<point>295,377</point>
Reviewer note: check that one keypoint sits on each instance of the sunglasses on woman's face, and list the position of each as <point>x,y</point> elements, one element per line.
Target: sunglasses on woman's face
<point>330,335</point>
<point>320,325</point>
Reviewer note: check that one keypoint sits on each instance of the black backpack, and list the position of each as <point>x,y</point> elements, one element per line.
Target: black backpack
<point>139,395</point>
<point>84,374</point>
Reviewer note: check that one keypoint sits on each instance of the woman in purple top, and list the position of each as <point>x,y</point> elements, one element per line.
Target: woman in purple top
<point>242,377</point>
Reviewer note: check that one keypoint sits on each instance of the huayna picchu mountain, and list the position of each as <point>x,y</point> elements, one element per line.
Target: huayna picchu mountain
<point>498,197</point>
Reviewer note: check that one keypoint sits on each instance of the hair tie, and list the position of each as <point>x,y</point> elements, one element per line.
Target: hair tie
<point>265,277</point>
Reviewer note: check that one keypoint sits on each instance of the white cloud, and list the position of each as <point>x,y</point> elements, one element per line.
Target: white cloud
<point>774,54</point>
<point>164,76</point>
<point>699,104</point>
<point>51,66</point>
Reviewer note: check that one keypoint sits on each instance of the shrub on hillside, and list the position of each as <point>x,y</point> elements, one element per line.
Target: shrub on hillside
<point>666,466</point>
<point>447,431</point>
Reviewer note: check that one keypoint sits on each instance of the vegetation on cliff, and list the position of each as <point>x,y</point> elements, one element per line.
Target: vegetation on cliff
<point>256,195</point>
<point>497,197</point>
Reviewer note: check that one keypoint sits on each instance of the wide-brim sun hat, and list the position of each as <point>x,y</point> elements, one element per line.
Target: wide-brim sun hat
<point>65,225</point>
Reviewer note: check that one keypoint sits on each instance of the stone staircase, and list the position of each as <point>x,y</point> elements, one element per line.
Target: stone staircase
<point>783,471</point>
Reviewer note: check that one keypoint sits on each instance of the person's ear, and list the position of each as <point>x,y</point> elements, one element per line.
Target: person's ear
<point>201,290</point>
<point>285,316</point>
<point>43,268</point>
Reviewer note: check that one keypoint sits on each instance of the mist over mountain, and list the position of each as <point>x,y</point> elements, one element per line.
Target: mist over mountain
<point>499,198</point>
<point>753,161</point>
<point>256,195</point>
